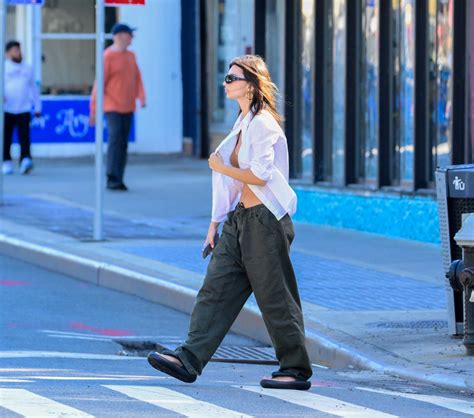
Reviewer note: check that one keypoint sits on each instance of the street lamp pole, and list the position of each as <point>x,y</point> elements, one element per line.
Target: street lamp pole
<point>99,120</point>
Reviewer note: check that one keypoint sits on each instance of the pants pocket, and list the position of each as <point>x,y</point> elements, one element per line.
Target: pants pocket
<point>288,228</point>
<point>267,220</point>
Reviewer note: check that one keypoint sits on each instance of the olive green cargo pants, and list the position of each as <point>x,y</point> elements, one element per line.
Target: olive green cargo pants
<point>252,255</point>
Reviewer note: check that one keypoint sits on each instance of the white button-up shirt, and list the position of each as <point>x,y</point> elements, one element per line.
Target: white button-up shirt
<point>264,150</point>
<point>21,91</point>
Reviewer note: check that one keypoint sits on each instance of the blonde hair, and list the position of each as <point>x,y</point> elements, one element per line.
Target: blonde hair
<point>265,92</point>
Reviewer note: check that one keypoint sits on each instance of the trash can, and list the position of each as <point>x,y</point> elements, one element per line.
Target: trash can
<point>455,193</point>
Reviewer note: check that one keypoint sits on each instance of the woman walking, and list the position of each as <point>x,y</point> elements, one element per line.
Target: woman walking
<point>251,193</point>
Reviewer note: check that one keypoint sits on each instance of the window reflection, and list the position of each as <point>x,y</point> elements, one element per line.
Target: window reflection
<point>471,82</point>
<point>62,73</point>
<point>441,69</point>
<point>68,63</point>
<point>307,85</point>
<point>368,150</point>
<point>10,21</point>
<point>230,35</point>
<point>226,50</point>
<point>403,90</point>
<point>275,44</point>
<point>339,88</point>
<point>68,16</point>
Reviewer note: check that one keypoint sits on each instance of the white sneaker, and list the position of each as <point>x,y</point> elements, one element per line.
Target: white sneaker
<point>7,168</point>
<point>26,165</point>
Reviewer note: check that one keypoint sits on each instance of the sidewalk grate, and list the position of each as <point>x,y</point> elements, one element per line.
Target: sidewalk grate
<point>434,324</point>
<point>247,355</point>
<point>133,346</point>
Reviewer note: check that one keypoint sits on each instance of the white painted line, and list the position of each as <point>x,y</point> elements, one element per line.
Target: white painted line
<point>81,334</point>
<point>138,376</point>
<point>74,334</point>
<point>62,373</point>
<point>29,404</point>
<point>176,402</point>
<point>319,403</point>
<point>75,337</point>
<point>94,378</point>
<point>13,380</point>
<point>30,370</point>
<point>58,354</point>
<point>320,366</point>
<point>149,337</point>
<point>458,405</point>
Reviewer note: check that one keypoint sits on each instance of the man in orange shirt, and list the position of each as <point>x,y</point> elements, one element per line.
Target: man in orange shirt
<point>123,85</point>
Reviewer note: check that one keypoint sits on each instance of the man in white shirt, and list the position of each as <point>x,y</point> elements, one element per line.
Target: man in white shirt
<point>21,95</point>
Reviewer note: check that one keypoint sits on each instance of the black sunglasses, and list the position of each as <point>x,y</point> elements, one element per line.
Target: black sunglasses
<point>230,78</point>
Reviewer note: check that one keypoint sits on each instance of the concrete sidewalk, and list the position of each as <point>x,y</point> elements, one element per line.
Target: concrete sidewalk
<point>370,302</point>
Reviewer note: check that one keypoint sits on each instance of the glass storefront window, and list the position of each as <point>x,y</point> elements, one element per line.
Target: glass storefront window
<point>68,16</point>
<point>403,90</point>
<point>338,22</point>
<point>275,45</point>
<point>231,34</point>
<point>471,79</point>
<point>68,66</point>
<point>307,85</point>
<point>68,46</point>
<point>11,18</point>
<point>368,149</point>
<point>441,81</point>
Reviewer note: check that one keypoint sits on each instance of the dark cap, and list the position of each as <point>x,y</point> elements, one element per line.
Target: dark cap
<point>122,27</point>
<point>11,44</point>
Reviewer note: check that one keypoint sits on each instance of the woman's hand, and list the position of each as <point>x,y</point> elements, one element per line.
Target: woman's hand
<point>211,234</point>
<point>216,162</point>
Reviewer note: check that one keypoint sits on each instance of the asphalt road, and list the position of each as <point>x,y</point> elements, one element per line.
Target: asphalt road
<point>58,358</point>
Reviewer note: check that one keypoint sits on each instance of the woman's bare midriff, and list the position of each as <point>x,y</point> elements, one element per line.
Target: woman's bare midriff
<point>248,198</point>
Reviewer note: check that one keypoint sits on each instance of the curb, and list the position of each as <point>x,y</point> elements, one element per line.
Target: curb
<point>249,322</point>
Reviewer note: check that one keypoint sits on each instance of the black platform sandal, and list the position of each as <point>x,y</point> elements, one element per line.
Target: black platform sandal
<point>158,362</point>
<point>298,384</point>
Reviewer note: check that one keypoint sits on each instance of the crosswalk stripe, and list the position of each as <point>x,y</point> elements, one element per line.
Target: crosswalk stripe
<point>76,337</point>
<point>320,403</point>
<point>457,405</point>
<point>13,380</point>
<point>175,401</point>
<point>65,334</point>
<point>60,354</point>
<point>29,404</point>
<point>92,378</point>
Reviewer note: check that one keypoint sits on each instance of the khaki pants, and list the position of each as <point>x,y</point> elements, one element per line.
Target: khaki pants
<point>251,256</point>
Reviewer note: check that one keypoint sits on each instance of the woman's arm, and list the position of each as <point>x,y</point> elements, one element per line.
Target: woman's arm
<point>216,163</point>
<point>211,232</point>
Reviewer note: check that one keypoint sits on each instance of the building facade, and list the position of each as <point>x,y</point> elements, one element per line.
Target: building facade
<point>376,94</point>
<point>58,38</point>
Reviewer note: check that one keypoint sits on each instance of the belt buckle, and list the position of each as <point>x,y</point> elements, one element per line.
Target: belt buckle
<point>241,205</point>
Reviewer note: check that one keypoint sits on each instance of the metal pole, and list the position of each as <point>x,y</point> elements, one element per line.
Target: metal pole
<point>37,46</point>
<point>99,119</point>
<point>3,21</point>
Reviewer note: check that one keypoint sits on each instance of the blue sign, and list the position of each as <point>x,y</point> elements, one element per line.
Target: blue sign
<point>66,121</point>
<point>25,2</point>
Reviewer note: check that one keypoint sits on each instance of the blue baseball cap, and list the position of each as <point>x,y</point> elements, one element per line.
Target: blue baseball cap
<point>122,27</point>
